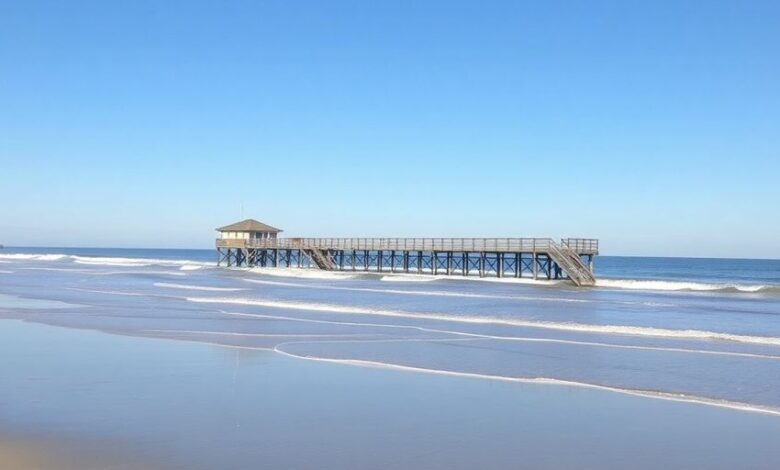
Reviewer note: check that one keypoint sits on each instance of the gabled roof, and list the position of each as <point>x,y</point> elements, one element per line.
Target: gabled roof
<point>248,225</point>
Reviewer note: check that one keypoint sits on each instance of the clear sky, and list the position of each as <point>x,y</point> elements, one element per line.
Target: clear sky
<point>654,126</point>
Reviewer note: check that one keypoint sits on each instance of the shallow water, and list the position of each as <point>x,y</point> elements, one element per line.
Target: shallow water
<point>96,401</point>
<point>659,328</point>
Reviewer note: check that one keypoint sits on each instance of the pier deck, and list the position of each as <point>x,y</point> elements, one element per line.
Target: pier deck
<point>496,257</point>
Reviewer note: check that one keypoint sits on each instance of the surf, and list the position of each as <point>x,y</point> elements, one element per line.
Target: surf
<point>655,394</point>
<point>170,285</point>
<point>662,285</point>
<point>415,292</point>
<point>488,320</point>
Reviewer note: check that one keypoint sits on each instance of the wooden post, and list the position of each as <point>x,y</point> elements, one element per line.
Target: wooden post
<point>535,267</point>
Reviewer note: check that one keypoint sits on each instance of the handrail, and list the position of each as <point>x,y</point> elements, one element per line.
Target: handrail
<point>569,260</point>
<point>587,245</point>
<point>581,245</point>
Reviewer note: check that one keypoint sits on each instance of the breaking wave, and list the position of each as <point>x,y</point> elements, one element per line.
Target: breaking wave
<point>300,273</point>
<point>684,286</point>
<point>571,327</point>
<point>110,262</point>
<point>185,265</point>
<point>36,257</point>
<point>191,267</point>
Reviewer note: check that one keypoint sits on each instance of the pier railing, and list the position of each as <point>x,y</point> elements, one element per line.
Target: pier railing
<point>513,245</point>
<point>581,245</point>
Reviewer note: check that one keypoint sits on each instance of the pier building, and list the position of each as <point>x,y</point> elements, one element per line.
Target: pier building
<point>250,243</point>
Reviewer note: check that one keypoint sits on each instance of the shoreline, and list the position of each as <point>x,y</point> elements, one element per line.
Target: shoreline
<point>607,279</point>
<point>260,397</point>
<point>535,381</point>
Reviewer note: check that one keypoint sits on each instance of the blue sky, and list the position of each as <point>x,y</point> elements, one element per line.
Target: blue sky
<point>654,126</point>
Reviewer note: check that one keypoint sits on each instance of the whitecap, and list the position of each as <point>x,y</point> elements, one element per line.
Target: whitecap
<point>676,285</point>
<point>35,257</point>
<point>191,267</point>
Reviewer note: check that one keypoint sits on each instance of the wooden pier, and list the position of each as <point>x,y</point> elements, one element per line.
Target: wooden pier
<point>537,258</point>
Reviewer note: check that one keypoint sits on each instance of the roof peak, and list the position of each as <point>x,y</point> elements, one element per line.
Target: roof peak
<point>248,225</point>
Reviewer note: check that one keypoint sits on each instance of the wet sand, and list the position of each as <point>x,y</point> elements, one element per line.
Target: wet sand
<point>24,455</point>
<point>142,402</point>
<point>42,453</point>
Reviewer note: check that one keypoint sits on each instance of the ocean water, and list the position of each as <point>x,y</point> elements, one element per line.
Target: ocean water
<point>88,400</point>
<point>703,331</point>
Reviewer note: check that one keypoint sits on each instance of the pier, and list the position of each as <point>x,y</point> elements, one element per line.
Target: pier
<point>253,244</point>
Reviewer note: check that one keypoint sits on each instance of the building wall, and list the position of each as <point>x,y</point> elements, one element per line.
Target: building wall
<point>245,235</point>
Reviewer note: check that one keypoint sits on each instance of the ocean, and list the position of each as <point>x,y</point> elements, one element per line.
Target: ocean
<point>703,331</point>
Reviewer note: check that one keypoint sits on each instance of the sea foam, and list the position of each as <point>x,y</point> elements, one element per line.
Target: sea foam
<point>139,262</point>
<point>36,257</point>
<point>107,261</point>
<point>432,293</point>
<point>659,395</point>
<point>679,285</point>
<point>300,273</point>
<point>171,285</point>
<point>573,327</point>
<point>473,336</point>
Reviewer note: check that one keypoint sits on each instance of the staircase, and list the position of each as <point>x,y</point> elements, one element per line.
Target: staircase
<point>568,260</point>
<point>320,258</point>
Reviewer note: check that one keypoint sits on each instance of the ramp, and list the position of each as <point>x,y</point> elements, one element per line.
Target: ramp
<point>320,258</point>
<point>568,260</point>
